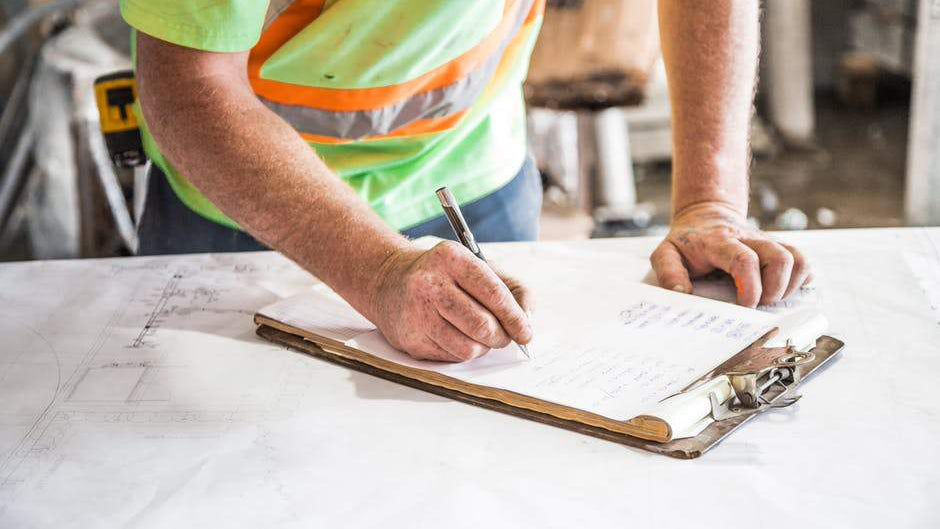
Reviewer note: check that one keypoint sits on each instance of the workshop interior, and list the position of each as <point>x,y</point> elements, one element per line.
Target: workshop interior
<point>831,138</point>
<point>469,263</point>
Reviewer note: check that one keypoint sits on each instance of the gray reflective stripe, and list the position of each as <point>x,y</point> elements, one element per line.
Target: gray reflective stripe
<point>275,8</point>
<point>439,102</point>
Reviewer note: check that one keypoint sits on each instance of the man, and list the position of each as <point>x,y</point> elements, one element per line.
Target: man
<point>321,128</point>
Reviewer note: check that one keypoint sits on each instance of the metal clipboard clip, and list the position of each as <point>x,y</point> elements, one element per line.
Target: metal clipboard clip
<point>756,379</point>
<point>766,380</point>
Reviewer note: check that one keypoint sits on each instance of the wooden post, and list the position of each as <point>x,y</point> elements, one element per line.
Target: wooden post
<point>922,194</point>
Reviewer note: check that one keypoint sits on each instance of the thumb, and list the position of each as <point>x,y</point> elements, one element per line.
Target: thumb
<point>670,271</point>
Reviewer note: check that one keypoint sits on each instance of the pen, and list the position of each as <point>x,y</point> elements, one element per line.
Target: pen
<point>464,235</point>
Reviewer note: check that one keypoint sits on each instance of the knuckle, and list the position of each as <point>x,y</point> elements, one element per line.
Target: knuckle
<point>515,324</point>
<point>800,266</point>
<point>476,349</point>
<point>448,249</point>
<point>744,259</point>
<point>463,349</point>
<point>657,257</point>
<point>494,291</point>
<point>481,327</point>
<point>782,259</point>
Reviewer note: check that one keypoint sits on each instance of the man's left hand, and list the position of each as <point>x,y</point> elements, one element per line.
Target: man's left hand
<point>714,236</point>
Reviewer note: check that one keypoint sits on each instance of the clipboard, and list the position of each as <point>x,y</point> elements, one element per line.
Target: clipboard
<point>762,378</point>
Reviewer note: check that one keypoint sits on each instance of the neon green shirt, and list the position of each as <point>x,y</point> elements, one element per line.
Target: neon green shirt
<point>344,74</point>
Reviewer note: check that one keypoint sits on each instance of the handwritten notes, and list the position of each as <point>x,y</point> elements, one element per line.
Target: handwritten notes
<point>602,343</point>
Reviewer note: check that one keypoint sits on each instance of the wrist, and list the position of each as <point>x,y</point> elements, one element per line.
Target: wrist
<point>710,210</point>
<point>715,181</point>
<point>384,273</point>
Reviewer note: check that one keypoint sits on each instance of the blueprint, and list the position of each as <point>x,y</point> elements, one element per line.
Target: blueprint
<point>135,394</point>
<point>140,348</point>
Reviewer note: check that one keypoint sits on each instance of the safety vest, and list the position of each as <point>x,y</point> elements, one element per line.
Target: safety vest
<point>398,97</point>
<point>431,102</point>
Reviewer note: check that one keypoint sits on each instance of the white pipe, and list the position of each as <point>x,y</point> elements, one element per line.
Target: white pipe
<point>616,185</point>
<point>789,71</point>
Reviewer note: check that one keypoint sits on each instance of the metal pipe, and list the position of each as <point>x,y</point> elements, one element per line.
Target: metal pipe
<point>15,105</point>
<point>112,187</point>
<point>616,184</point>
<point>789,72</point>
<point>25,20</point>
<point>13,175</point>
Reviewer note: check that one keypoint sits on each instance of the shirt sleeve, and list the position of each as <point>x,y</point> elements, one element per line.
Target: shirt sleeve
<point>210,25</point>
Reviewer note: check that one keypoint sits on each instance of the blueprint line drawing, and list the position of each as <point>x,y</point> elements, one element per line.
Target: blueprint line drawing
<point>127,348</point>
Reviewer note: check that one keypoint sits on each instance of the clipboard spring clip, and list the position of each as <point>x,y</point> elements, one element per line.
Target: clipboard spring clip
<point>771,384</point>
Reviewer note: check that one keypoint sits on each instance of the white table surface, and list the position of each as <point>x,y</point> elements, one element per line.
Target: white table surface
<point>134,393</point>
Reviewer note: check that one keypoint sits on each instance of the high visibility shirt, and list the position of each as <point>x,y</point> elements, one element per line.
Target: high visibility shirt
<point>398,97</point>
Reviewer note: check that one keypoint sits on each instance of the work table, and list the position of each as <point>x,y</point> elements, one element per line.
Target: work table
<point>134,393</point>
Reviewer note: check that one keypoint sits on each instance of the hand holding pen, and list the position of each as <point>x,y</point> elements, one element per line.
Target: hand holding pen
<point>463,233</point>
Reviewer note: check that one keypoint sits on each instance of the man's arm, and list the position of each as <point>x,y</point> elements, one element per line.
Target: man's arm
<point>442,304</point>
<point>710,51</point>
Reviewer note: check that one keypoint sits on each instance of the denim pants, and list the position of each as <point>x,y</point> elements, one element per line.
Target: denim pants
<point>167,226</point>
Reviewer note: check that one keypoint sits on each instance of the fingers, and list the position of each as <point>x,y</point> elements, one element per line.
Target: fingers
<point>670,270</point>
<point>479,281</point>
<point>470,318</point>
<point>801,273</point>
<point>428,349</point>
<point>776,265</point>
<point>743,264</point>
<point>457,344</point>
<point>519,291</point>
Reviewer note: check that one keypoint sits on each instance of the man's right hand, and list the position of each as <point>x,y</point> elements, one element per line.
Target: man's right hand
<point>445,304</point>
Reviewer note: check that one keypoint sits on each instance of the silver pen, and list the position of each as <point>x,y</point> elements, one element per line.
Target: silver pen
<point>464,235</point>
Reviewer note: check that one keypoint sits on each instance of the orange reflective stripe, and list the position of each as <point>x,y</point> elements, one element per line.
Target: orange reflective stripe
<point>538,8</point>
<point>419,126</point>
<point>296,17</point>
<point>364,98</point>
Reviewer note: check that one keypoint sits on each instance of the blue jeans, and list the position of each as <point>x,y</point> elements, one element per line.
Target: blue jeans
<point>167,226</point>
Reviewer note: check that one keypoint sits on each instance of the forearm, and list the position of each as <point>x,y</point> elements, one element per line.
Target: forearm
<point>710,51</point>
<point>259,172</point>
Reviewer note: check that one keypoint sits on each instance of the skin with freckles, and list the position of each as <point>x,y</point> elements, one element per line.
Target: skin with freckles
<point>710,55</point>
<point>709,237</point>
<point>445,304</point>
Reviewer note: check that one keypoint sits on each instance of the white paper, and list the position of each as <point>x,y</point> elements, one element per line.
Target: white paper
<point>324,311</point>
<point>228,430</point>
<point>603,344</point>
<point>927,273</point>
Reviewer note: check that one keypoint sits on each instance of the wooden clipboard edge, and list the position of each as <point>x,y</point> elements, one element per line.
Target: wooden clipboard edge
<point>298,343</point>
<point>826,349</point>
<point>648,428</point>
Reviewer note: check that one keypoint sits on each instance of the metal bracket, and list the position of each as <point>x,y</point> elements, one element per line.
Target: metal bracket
<point>768,384</point>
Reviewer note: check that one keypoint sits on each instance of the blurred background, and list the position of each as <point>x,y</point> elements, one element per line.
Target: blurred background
<point>844,133</point>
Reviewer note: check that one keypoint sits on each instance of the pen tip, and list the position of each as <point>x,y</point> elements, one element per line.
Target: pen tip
<point>526,351</point>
